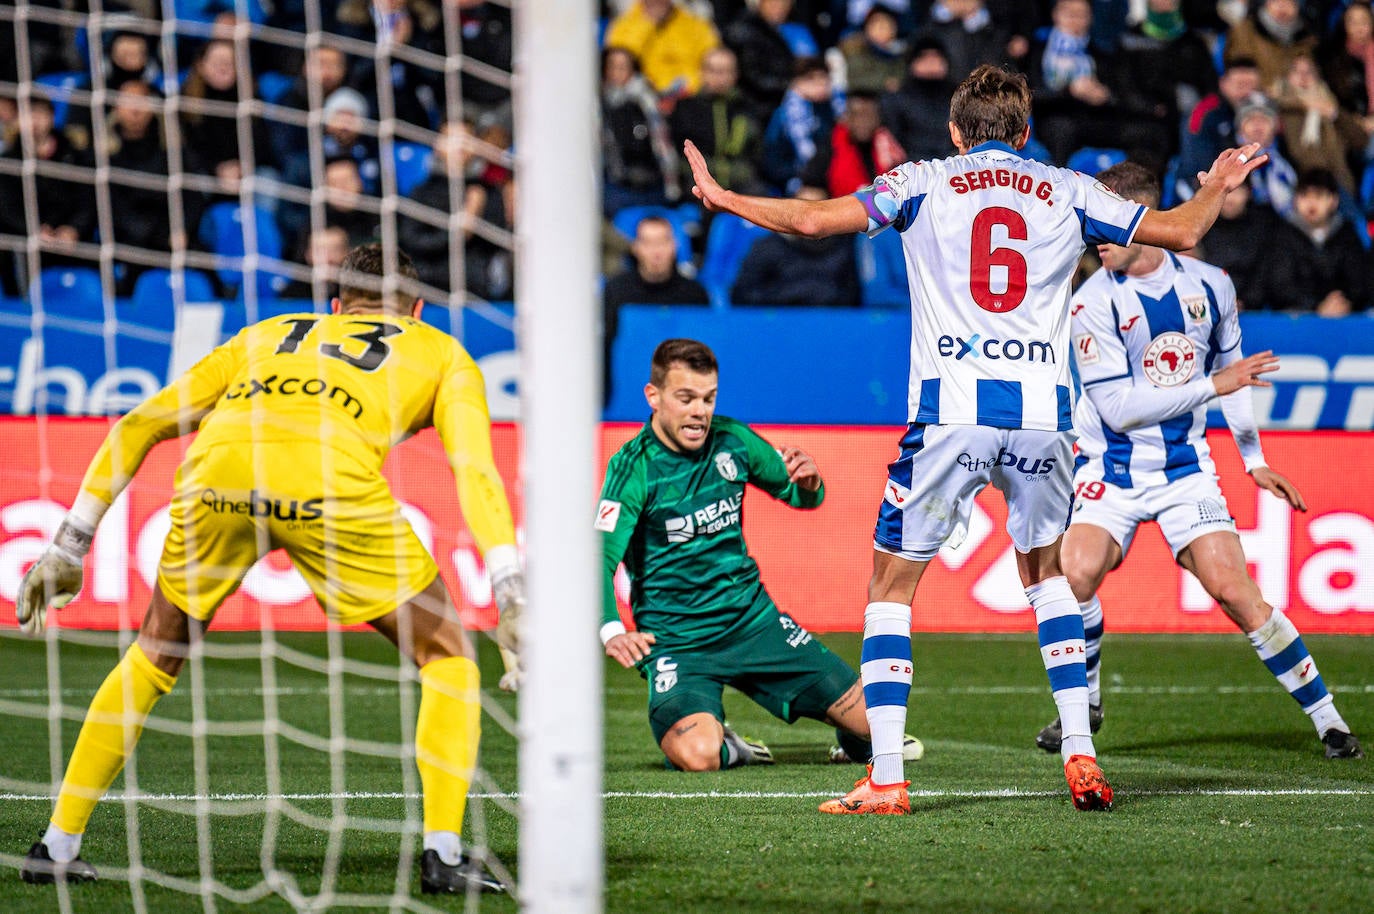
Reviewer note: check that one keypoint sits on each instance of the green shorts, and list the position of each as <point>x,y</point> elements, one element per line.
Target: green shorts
<point>781,667</point>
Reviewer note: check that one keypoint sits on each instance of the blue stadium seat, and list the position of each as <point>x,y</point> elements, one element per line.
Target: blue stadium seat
<point>159,288</point>
<point>1169,194</point>
<point>59,88</point>
<point>272,85</point>
<point>413,161</point>
<point>70,292</point>
<point>221,232</point>
<point>1092,159</point>
<point>727,241</point>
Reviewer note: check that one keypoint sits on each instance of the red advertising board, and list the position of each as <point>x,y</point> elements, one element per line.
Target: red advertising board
<point>1318,566</point>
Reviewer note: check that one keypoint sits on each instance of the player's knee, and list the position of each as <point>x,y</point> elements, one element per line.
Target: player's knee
<point>451,644</point>
<point>1242,601</point>
<point>699,752</point>
<point>1082,582</point>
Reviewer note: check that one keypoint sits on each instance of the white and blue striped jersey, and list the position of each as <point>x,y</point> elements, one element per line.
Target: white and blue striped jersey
<point>991,242</point>
<point>1164,329</point>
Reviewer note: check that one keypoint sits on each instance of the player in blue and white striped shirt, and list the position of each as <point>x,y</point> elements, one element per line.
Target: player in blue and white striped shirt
<point>991,241</point>
<point>1157,337</point>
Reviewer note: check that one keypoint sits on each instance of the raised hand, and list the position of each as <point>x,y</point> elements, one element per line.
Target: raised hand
<point>1233,166</point>
<point>705,188</point>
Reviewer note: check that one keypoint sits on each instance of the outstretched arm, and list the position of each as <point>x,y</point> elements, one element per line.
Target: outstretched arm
<point>56,578</point>
<point>812,218</point>
<point>464,426</point>
<point>1182,227</point>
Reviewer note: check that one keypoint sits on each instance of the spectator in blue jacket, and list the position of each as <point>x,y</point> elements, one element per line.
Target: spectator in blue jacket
<point>802,122</point>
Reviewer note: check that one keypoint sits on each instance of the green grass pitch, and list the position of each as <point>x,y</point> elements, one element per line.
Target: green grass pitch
<point>1224,801</point>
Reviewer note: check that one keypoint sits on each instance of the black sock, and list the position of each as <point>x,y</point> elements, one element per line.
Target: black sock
<point>856,747</point>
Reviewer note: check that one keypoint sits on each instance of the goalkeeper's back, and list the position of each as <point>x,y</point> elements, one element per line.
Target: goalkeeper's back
<point>358,382</point>
<point>290,391</point>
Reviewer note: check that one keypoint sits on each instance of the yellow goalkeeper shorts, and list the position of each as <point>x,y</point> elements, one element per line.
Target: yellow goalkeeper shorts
<point>335,517</point>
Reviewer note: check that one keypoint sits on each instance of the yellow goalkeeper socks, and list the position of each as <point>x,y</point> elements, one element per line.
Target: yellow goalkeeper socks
<point>446,736</point>
<point>113,724</point>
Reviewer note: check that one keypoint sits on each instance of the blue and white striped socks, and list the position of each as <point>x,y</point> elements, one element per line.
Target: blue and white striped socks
<point>1059,624</point>
<point>886,673</point>
<point>1092,644</point>
<point>1280,647</point>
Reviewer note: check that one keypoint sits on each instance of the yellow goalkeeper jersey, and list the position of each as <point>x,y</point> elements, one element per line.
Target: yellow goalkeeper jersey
<point>358,383</point>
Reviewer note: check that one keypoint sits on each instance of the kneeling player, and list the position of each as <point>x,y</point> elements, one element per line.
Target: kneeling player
<point>672,508</point>
<point>1146,328</point>
<point>296,415</point>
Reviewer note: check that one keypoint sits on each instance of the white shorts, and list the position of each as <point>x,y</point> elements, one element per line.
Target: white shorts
<point>932,483</point>
<point>1185,509</point>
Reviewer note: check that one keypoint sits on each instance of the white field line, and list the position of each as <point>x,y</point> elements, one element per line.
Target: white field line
<point>1006,793</point>
<point>1353,688</point>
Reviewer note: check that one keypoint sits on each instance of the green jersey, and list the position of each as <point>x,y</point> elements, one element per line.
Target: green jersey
<point>677,522</point>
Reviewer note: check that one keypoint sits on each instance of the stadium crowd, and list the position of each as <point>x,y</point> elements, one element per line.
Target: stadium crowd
<point>784,97</point>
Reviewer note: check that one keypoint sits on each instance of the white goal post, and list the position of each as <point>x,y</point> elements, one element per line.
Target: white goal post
<point>557,232</point>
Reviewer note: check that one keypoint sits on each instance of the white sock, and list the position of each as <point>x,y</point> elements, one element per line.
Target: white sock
<point>887,766</point>
<point>449,844</point>
<point>63,847</point>
<point>1059,625</point>
<point>1281,649</point>
<point>1092,642</point>
<point>1325,716</point>
<point>886,673</point>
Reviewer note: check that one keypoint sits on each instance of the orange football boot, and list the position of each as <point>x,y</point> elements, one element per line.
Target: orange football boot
<point>1087,783</point>
<point>868,798</point>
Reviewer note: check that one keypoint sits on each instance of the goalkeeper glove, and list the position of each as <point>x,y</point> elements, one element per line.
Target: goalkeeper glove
<point>509,591</point>
<point>55,579</point>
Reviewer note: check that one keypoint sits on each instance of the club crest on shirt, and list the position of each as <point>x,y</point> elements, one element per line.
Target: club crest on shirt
<point>1169,359</point>
<point>725,464</point>
<point>1196,306</point>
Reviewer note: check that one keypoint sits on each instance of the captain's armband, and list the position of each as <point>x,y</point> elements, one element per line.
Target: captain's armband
<point>879,204</point>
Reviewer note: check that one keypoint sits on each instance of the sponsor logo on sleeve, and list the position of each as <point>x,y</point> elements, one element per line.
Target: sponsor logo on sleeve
<point>1085,349</point>
<point>607,514</point>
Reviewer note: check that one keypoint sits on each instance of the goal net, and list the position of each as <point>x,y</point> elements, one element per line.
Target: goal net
<point>175,171</point>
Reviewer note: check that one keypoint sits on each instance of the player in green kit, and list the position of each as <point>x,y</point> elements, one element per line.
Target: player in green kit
<point>672,509</point>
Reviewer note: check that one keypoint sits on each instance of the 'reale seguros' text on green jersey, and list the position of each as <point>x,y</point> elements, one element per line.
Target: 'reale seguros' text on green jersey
<point>676,520</point>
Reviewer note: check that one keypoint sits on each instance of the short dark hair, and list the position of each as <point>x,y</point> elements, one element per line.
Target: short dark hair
<point>1241,63</point>
<point>690,354</point>
<point>1317,179</point>
<point>805,66</point>
<point>1132,181</point>
<point>362,272</point>
<point>655,219</point>
<point>992,104</point>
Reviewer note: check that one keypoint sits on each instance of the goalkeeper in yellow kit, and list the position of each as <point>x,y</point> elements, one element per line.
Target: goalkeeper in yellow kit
<point>296,415</point>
